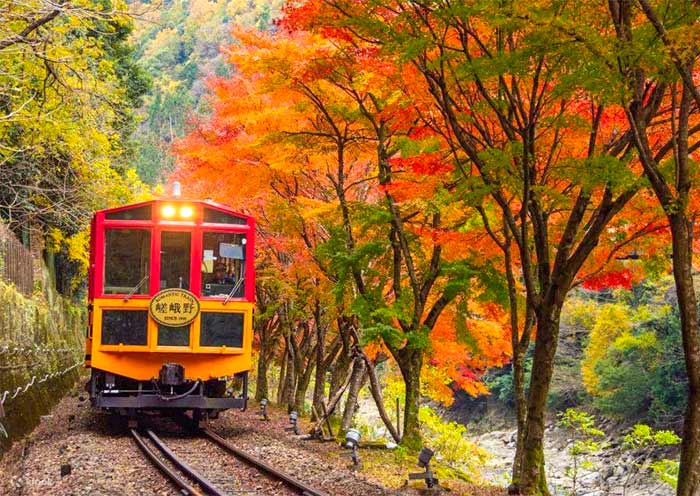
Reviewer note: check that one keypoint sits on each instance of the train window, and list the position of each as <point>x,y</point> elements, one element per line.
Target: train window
<point>138,213</point>
<point>127,256</point>
<point>214,216</point>
<point>175,259</point>
<point>223,263</point>
<point>221,329</point>
<point>124,326</point>
<point>173,336</point>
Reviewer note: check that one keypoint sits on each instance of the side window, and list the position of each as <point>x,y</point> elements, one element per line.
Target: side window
<point>127,257</point>
<point>214,216</point>
<point>223,264</point>
<point>175,260</point>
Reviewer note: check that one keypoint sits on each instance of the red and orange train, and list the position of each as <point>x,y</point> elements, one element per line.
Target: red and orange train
<point>171,295</point>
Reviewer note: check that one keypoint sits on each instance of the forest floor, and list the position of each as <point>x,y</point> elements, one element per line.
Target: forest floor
<point>102,459</point>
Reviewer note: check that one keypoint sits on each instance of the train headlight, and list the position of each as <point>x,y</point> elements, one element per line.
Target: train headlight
<point>186,212</point>
<point>168,211</point>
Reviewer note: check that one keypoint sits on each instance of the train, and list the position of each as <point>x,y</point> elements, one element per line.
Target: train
<point>171,295</point>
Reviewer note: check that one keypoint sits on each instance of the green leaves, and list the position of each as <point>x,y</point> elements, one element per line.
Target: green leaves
<point>642,436</point>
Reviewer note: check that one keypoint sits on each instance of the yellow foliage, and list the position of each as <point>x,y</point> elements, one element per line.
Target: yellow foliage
<point>54,240</point>
<point>613,320</point>
<point>78,250</point>
<point>435,384</point>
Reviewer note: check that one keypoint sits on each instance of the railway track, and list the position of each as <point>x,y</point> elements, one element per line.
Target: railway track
<point>191,482</point>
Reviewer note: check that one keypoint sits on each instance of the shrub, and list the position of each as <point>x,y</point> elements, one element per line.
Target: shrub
<point>457,456</point>
<point>633,363</point>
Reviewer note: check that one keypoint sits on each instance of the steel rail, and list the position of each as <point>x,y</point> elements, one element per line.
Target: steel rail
<point>288,479</point>
<point>201,480</point>
<point>167,471</point>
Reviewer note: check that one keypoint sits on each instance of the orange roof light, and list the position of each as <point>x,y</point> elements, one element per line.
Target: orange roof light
<point>186,212</point>
<point>168,211</point>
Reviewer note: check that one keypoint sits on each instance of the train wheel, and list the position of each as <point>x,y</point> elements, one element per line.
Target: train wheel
<point>199,419</point>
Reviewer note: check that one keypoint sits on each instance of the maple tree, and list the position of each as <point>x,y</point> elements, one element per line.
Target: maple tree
<point>665,70</point>
<point>312,126</point>
<point>534,146</point>
<point>402,141</point>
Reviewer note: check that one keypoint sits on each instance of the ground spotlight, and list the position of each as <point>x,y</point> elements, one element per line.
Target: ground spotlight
<point>263,409</point>
<point>352,442</point>
<point>424,457</point>
<point>293,418</point>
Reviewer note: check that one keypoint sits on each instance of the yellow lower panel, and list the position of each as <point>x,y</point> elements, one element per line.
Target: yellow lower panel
<point>144,362</point>
<point>145,366</point>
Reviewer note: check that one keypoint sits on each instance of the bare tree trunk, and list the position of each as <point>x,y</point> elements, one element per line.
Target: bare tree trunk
<point>323,363</point>
<point>261,383</point>
<point>689,476</point>
<point>357,379</point>
<point>289,382</point>
<point>375,387</point>
<point>410,362</point>
<point>332,403</point>
<point>532,476</point>
<point>283,375</point>
<point>303,381</point>
<point>341,368</point>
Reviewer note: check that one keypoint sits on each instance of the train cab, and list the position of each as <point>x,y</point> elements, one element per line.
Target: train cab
<point>171,295</point>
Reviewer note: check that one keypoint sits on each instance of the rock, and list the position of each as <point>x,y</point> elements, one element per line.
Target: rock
<point>608,472</point>
<point>66,469</point>
<point>590,479</point>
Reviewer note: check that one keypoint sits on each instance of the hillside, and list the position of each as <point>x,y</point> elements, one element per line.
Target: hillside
<point>179,44</point>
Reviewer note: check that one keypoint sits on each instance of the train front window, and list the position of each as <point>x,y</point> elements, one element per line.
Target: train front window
<point>175,260</point>
<point>223,264</point>
<point>127,255</point>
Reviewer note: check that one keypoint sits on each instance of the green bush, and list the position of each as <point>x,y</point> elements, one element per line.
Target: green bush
<point>643,374</point>
<point>640,372</point>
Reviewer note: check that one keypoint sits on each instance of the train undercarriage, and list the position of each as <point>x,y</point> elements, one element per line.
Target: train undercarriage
<point>170,393</point>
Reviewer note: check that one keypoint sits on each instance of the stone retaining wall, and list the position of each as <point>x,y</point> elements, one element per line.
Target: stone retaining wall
<point>40,335</point>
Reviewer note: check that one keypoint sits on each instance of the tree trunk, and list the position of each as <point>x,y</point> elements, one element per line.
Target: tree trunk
<point>303,381</point>
<point>358,378</point>
<point>320,378</point>
<point>410,362</point>
<point>323,363</point>
<point>289,382</point>
<point>689,476</point>
<point>283,375</point>
<point>520,398</point>
<point>261,384</point>
<point>340,372</point>
<point>532,479</point>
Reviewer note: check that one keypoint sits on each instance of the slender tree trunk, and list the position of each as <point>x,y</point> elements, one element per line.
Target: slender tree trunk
<point>261,383</point>
<point>288,385</point>
<point>283,375</point>
<point>532,479</point>
<point>340,370</point>
<point>303,381</point>
<point>358,378</point>
<point>518,365</point>
<point>321,369</point>
<point>689,476</point>
<point>410,363</point>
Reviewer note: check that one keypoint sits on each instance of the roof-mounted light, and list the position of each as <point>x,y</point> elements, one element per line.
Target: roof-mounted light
<point>168,211</point>
<point>186,212</point>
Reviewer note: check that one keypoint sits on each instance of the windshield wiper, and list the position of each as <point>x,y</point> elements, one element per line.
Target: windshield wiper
<point>136,288</point>
<point>235,288</point>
